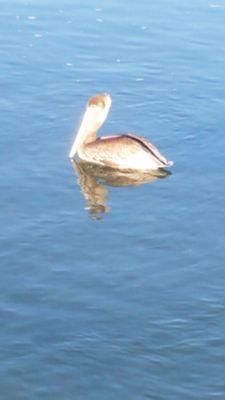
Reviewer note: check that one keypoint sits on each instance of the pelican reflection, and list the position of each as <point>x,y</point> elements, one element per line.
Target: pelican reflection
<point>93,181</point>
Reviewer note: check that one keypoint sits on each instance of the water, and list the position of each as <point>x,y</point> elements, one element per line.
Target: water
<point>128,303</point>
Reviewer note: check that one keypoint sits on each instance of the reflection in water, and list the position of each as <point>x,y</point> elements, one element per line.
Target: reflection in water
<point>93,180</point>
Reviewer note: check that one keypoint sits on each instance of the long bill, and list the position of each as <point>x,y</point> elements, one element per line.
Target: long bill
<point>86,128</point>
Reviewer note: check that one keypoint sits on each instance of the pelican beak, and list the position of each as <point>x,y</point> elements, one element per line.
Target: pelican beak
<point>87,126</point>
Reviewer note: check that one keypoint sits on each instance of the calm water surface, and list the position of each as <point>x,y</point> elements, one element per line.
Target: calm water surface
<point>127,304</point>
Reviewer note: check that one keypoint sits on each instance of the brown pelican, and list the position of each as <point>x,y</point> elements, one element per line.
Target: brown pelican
<point>124,152</point>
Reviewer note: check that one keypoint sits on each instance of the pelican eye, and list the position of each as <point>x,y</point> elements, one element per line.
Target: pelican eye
<point>97,101</point>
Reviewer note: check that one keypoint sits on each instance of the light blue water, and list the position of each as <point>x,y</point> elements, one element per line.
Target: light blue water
<point>130,306</point>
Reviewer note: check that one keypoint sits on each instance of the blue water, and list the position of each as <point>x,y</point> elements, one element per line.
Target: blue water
<point>128,303</point>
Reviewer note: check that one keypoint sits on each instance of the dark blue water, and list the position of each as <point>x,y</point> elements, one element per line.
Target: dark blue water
<point>127,304</point>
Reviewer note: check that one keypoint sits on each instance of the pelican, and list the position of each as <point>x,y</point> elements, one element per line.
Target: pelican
<point>124,152</point>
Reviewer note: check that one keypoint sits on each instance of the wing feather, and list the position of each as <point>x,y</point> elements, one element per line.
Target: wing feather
<point>150,147</point>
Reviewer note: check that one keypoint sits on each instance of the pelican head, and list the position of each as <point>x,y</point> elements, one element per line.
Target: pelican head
<point>96,112</point>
